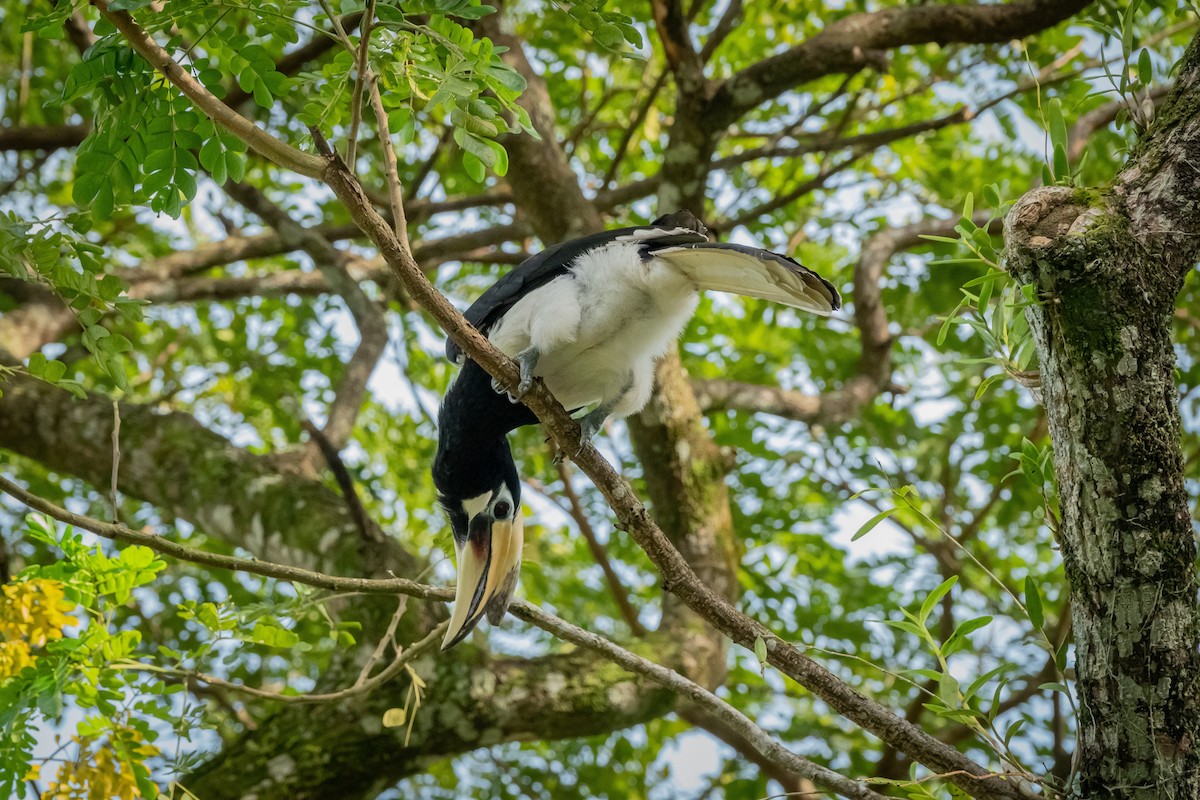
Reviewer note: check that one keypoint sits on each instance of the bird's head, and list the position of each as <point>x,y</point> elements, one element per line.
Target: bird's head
<point>488,536</point>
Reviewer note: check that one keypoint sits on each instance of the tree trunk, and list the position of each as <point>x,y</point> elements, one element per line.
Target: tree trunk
<point>1107,265</point>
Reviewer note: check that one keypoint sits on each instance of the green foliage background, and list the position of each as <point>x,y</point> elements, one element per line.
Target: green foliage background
<point>957,450</point>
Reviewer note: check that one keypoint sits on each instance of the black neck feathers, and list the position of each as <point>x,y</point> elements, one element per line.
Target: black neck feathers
<point>473,454</point>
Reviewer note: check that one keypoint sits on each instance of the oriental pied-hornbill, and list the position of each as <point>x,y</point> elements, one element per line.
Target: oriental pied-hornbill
<point>589,317</point>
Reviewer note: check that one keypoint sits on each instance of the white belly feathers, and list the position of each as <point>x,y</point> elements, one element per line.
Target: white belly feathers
<point>600,328</point>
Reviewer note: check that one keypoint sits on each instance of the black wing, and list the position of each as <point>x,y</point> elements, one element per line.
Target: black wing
<point>549,264</point>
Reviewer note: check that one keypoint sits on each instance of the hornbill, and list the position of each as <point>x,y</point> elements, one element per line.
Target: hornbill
<point>589,317</point>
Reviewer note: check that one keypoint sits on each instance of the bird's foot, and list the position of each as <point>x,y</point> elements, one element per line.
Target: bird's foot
<point>498,389</point>
<point>589,425</point>
<point>527,360</point>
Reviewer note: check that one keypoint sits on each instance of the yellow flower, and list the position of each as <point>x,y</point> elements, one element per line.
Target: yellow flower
<point>31,614</point>
<point>98,773</point>
<point>34,612</point>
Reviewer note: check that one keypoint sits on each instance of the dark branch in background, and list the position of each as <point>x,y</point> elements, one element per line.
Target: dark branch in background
<point>78,31</point>
<point>681,54</point>
<point>43,137</point>
<point>616,587</point>
<point>729,20</point>
<point>345,483</point>
<point>858,41</point>
<point>351,388</point>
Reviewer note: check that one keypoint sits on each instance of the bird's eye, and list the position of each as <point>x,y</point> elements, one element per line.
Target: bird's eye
<point>502,509</point>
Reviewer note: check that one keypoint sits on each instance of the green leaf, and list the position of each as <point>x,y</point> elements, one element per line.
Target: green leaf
<point>934,596</point>
<point>904,625</point>
<point>1033,603</point>
<point>273,635</point>
<point>1056,125</point>
<point>958,639</point>
<point>1062,167</point>
<point>1145,67</point>
<point>870,524</point>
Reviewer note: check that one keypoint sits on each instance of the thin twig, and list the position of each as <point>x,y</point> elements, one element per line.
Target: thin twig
<point>388,639</point>
<point>116,459</point>
<point>390,166</point>
<point>364,41</point>
<point>403,658</point>
<point>119,533</point>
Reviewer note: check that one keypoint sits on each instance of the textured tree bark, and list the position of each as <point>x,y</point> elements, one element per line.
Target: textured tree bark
<point>342,750</point>
<point>1108,265</point>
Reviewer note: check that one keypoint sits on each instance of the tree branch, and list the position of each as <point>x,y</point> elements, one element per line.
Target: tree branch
<point>43,137</point>
<point>856,41</point>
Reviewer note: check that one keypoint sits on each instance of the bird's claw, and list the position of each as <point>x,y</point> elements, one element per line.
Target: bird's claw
<point>498,389</point>
<point>527,360</point>
<point>589,426</point>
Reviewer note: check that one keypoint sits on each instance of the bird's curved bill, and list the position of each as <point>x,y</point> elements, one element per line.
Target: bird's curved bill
<point>488,565</point>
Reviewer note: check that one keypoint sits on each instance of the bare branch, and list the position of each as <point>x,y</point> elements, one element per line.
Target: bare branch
<point>119,533</point>
<point>390,169</point>
<point>857,41</point>
<point>364,42</point>
<point>360,688</point>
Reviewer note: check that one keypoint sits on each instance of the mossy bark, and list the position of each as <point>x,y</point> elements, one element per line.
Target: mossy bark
<point>1107,265</point>
<point>342,750</point>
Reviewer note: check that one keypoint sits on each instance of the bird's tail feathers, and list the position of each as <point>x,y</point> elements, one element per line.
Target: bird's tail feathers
<point>751,272</point>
